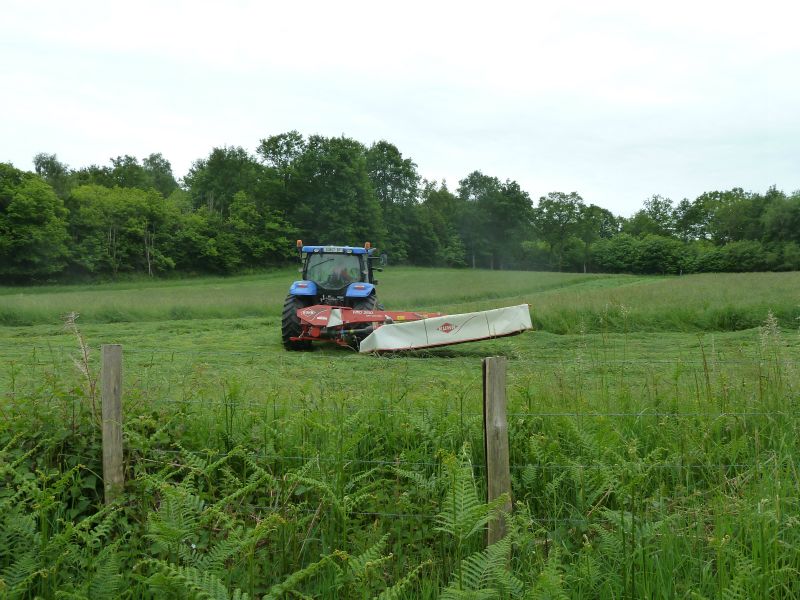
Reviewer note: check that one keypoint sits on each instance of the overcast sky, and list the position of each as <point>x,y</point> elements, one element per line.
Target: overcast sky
<point>615,100</point>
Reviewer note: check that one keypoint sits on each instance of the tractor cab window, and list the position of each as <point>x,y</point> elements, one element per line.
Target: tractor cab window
<point>333,271</point>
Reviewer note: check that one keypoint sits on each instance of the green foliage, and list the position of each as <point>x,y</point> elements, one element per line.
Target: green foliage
<point>595,223</point>
<point>482,574</point>
<point>189,582</point>
<point>280,152</point>
<point>214,181</point>
<point>494,218</point>
<point>549,583</point>
<point>615,255</point>
<point>154,173</point>
<point>400,589</point>
<point>485,574</point>
<point>44,552</point>
<point>262,236</point>
<point>440,209</point>
<point>160,174</point>
<point>203,244</point>
<point>557,218</point>
<point>333,198</point>
<point>54,172</point>
<point>395,181</point>
<point>657,217</point>
<point>463,515</point>
<point>121,229</point>
<point>33,227</point>
<point>659,254</point>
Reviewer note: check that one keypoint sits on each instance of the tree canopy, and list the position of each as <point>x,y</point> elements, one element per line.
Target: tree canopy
<point>33,227</point>
<point>235,210</point>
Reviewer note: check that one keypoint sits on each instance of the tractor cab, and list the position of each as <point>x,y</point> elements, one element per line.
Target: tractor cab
<point>336,275</point>
<point>332,276</point>
<point>332,271</point>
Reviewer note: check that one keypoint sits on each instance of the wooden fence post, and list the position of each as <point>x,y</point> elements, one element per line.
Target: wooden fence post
<point>495,435</point>
<point>111,373</point>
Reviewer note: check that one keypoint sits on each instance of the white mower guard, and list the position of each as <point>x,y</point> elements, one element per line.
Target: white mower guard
<point>449,329</point>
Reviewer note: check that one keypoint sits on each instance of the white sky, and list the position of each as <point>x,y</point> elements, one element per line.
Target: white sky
<point>615,100</point>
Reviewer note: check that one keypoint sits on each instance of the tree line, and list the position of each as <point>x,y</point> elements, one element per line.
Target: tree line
<point>235,211</point>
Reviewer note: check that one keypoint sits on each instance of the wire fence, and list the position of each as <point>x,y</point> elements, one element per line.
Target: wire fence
<point>449,410</point>
<point>353,465</point>
<point>324,510</point>
<point>598,355</point>
<point>466,410</point>
<point>458,366</point>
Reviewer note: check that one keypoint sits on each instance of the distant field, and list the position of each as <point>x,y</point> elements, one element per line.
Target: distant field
<point>653,430</point>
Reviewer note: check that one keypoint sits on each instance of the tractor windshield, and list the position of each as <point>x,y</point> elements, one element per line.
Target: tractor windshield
<point>333,271</point>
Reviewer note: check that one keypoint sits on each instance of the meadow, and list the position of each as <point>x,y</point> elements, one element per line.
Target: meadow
<point>653,429</point>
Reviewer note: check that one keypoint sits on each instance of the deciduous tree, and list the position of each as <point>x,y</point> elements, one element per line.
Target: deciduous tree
<point>336,202</point>
<point>54,172</point>
<point>33,226</point>
<point>656,217</point>
<point>594,223</point>
<point>212,182</point>
<point>396,184</point>
<point>556,219</point>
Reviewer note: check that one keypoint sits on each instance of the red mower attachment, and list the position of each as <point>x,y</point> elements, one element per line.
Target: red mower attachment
<point>348,326</point>
<point>389,331</point>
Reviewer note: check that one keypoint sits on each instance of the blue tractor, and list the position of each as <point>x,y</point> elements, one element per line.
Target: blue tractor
<point>332,276</point>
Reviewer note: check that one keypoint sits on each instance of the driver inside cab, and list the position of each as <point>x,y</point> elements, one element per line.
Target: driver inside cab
<point>344,274</point>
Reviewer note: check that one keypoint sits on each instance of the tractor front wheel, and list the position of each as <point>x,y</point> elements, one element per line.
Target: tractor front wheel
<point>290,324</point>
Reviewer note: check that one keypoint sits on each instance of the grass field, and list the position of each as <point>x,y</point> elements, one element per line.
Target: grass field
<point>653,429</point>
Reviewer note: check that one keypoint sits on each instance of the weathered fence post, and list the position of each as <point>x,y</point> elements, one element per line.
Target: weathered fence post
<point>111,373</point>
<point>495,435</point>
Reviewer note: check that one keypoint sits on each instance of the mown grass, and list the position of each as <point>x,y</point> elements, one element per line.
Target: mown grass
<point>653,454</point>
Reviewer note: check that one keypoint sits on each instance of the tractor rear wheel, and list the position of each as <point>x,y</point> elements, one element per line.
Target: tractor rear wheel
<point>368,303</point>
<point>290,324</point>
